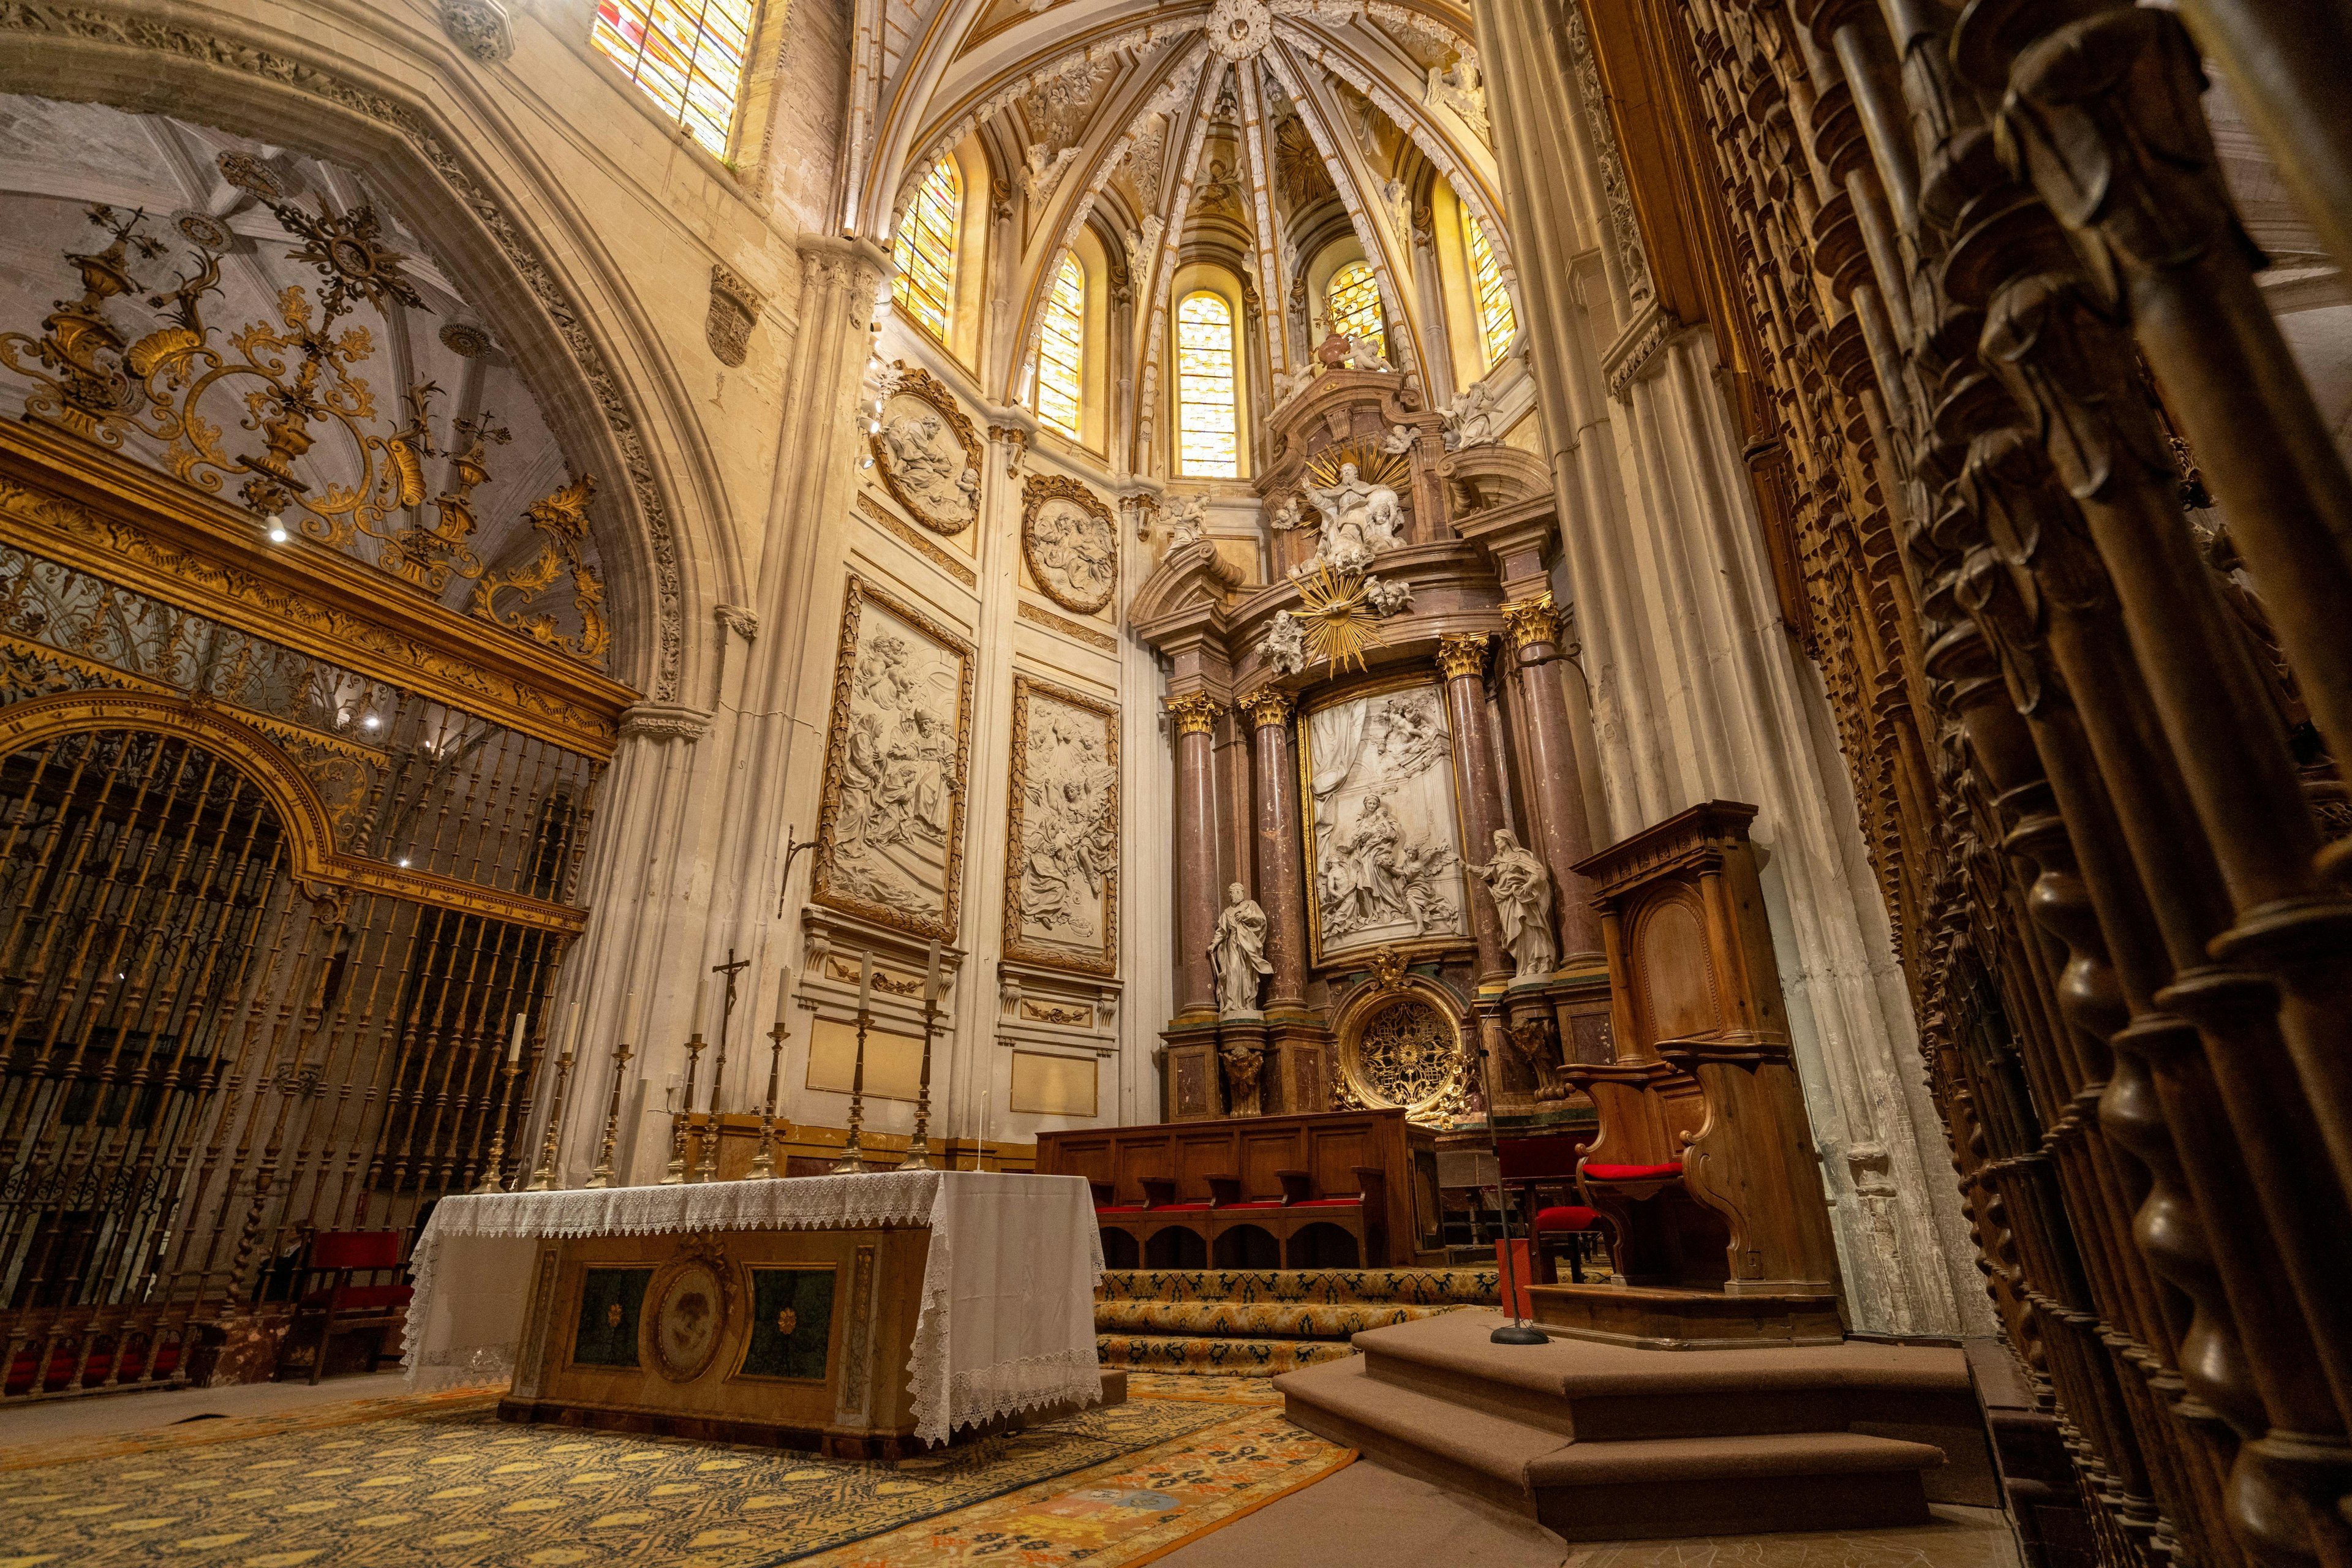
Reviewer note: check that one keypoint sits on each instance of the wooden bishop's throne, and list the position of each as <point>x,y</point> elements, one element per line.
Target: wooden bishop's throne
<point>1705,1166</point>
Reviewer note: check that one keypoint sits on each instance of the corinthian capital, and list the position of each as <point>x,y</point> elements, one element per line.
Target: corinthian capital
<point>1268,707</point>
<point>1531,621</point>
<point>1195,713</point>
<point>1463,657</point>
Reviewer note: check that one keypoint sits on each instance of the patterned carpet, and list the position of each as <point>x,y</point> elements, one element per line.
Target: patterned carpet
<point>1257,1324</point>
<point>444,1483</point>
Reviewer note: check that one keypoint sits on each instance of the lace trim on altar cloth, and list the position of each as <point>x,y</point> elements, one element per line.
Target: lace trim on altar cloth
<point>460,1366</point>
<point>807,1203</point>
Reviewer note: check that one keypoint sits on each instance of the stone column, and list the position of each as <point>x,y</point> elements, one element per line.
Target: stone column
<point>1198,896</point>
<point>1462,661</point>
<point>1533,628</point>
<point>1281,876</point>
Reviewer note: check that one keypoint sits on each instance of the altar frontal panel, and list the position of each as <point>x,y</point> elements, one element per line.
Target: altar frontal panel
<point>1383,828</point>
<point>798,1338</point>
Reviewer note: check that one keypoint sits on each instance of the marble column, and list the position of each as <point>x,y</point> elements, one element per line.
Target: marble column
<point>1462,661</point>
<point>1566,831</point>
<point>1198,896</point>
<point>1281,876</point>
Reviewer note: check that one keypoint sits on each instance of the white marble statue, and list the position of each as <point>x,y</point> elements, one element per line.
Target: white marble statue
<point>1470,419</point>
<point>1238,955</point>
<point>1285,644</point>
<point>1359,521</point>
<point>1188,521</point>
<point>1398,441</point>
<point>1364,353</point>
<point>1522,894</point>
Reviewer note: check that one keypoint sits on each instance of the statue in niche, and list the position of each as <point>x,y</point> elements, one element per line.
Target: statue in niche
<point>1522,893</point>
<point>1238,955</point>
<point>1359,521</point>
<point>1243,1066</point>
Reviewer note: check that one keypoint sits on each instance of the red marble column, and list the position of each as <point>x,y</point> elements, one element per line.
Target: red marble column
<point>1562,825</point>
<point>1281,876</point>
<point>1198,897</point>
<point>1462,660</point>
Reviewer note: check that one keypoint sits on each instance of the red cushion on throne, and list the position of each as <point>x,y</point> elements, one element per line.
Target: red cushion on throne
<point>1631,1173</point>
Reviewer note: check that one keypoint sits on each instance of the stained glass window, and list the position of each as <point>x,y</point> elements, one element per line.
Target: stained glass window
<point>1496,323</point>
<point>1355,297</point>
<point>1060,348</point>
<point>925,248</point>
<point>1207,420</point>
<point>687,54</point>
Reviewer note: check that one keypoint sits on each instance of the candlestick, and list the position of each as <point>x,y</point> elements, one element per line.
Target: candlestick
<point>602,1176</point>
<point>764,1164</point>
<point>493,1174</point>
<point>918,1147</point>
<point>543,1178</point>
<point>677,1118</point>
<point>852,1149</point>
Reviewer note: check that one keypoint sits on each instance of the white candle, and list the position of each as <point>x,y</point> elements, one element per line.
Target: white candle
<point>576,1026</point>
<point>784,996</point>
<point>865,979</point>
<point>628,1011</point>
<point>931,980</point>
<point>514,1050</point>
<point>694,1019</point>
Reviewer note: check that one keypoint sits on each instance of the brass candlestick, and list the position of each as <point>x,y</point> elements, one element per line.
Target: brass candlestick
<point>764,1164</point>
<point>918,1147</point>
<point>677,1171</point>
<point>602,1176</point>
<point>853,1152</point>
<point>543,1178</point>
<point>490,1176</point>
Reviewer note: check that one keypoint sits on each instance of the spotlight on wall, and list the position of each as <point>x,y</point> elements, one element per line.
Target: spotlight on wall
<point>277,534</point>
<point>370,722</point>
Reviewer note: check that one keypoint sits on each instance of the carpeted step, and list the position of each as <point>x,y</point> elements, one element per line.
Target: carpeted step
<point>1308,1287</point>
<point>1264,1319</point>
<point>1204,1355</point>
<point>1588,1490</point>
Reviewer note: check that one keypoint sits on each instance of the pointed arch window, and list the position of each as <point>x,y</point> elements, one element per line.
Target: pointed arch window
<point>1207,418</point>
<point>1061,350</point>
<point>1354,294</point>
<point>1497,323</point>
<point>924,250</point>
<point>688,54</point>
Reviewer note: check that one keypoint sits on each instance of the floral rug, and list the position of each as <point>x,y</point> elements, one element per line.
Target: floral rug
<point>448,1486</point>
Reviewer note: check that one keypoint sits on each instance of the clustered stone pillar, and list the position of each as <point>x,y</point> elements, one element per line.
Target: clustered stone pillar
<point>1197,894</point>
<point>1463,662</point>
<point>1566,831</point>
<point>1281,877</point>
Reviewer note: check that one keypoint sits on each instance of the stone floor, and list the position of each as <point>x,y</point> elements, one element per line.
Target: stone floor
<point>1393,1520</point>
<point>105,1414</point>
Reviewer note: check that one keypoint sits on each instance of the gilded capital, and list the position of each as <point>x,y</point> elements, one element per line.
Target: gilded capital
<point>1531,621</point>
<point>1195,713</point>
<point>1267,706</point>
<point>1462,655</point>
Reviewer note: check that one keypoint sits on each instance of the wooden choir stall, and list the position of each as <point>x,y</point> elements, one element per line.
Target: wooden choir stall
<point>1703,1167</point>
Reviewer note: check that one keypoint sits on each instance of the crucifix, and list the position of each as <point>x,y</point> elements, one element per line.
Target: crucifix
<point>731,968</point>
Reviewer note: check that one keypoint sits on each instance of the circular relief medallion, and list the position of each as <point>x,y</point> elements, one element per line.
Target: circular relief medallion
<point>1239,29</point>
<point>690,1309</point>
<point>1073,550</point>
<point>1406,1054</point>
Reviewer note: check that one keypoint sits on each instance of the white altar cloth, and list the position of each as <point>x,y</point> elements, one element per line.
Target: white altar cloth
<point>1008,1316</point>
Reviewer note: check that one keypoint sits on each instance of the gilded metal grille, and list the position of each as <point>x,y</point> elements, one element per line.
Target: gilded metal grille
<point>1406,1054</point>
<point>205,1059</point>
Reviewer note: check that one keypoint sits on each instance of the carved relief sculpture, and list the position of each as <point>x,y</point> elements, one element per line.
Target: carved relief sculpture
<point>734,311</point>
<point>1383,829</point>
<point>1522,894</point>
<point>1245,1066</point>
<point>1470,418</point>
<point>1238,954</point>
<point>1070,542</point>
<point>1062,853</point>
<point>890,830</point>
<point>1360,519</point>
<point>927,452</point>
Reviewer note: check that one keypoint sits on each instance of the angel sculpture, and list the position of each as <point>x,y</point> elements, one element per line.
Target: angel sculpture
<point>1364,354</point>
<point>1470,419</point>
<point>1285,644</point>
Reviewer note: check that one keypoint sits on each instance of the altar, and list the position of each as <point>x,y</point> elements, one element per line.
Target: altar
<point>866,1316</point>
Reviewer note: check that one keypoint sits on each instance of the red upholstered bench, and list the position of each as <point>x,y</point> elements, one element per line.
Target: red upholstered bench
<point>339,1307</point>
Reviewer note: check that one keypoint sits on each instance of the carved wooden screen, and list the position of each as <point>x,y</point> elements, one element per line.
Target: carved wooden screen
<point>280,862</point>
